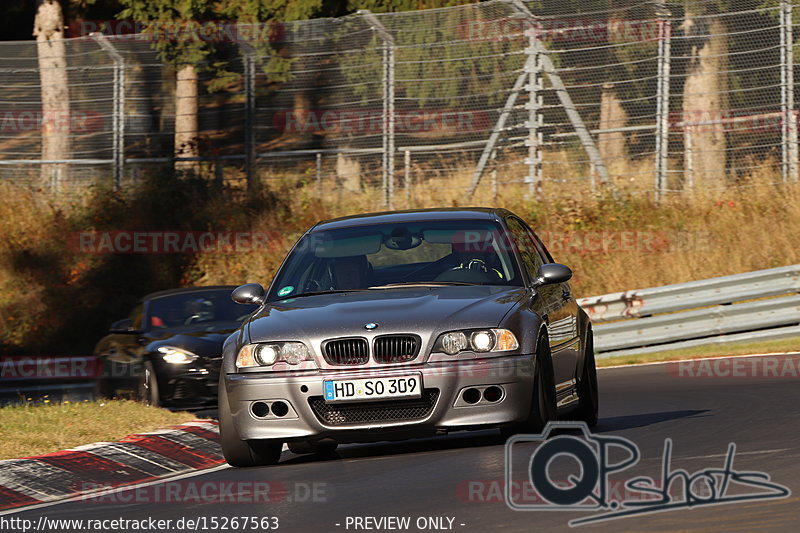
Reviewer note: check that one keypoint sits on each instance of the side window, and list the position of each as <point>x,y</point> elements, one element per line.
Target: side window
<point>526,245</point>
<point>136,316</point>
<point>546,257</point>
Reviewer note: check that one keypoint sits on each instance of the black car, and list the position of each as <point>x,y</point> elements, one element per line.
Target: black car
<point>169,349</point>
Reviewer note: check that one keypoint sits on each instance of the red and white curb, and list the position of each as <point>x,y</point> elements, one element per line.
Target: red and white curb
<point>135,459</point>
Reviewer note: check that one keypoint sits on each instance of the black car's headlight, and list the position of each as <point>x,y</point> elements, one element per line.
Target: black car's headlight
<point>476,340</point>
<point>176,356</point>
<point>267,354</point>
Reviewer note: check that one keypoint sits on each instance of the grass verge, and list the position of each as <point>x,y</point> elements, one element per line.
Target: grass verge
<point>745,348</point>
<point>36,429</point>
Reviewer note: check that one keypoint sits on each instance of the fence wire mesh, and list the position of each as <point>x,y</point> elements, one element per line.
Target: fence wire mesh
<point>502,97</point>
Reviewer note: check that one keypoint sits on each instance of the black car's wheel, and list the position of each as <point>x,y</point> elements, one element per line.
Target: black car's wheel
<point>326,447</point>
<point>543,401</point>
<point>147,387</point>
<point>587,385</point>
<point>238,452</point>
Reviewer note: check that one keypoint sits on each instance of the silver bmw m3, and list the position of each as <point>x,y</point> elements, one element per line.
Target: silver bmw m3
<point>405,324</point>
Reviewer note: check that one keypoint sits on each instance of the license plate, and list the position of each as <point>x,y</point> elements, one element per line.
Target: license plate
<point>388,388</point>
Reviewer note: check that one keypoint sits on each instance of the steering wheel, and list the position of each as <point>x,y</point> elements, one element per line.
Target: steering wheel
<point>191,320</point>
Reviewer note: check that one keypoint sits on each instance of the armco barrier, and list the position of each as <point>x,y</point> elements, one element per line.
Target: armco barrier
<point>761,305</point>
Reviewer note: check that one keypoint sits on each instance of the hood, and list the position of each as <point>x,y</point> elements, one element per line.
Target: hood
<point>422,310</point>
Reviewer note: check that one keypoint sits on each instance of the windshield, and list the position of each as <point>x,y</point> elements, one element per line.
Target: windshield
<point>468,252</point>
<point>196,307</point>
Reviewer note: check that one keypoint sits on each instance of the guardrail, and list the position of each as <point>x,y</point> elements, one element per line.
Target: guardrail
<point>760,305</point>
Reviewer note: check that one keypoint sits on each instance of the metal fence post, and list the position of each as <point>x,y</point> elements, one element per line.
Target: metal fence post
<point>534,104</point>
<point>688,161</point>
<point>788,118</point>
<point>249,115</point>
<point>319,174</point>
<point>662,107</point>
<point>493,175</point>
<point>407,176</point>
<point>388,63</point>
<point>118,107</point>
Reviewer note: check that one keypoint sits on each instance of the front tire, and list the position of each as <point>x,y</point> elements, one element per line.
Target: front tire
<point>147,388</point>
<point>238,452</point>
<point>587,386</point>
<point>543,401</point>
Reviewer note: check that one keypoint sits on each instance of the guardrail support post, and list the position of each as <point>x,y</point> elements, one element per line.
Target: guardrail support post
<point>388,105</point>
<point>118,107</point>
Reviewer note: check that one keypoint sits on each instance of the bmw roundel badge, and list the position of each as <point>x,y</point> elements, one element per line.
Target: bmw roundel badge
<point>370,325</point>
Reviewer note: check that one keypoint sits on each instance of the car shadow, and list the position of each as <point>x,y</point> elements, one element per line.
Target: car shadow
<point>474,439</point>
<point>617,423</point>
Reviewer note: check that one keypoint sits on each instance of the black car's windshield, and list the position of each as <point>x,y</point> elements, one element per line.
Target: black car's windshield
<point>195,307</point>
<point>456,252</point>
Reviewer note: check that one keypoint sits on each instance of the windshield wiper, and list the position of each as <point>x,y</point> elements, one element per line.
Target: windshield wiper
<point>422,284</point>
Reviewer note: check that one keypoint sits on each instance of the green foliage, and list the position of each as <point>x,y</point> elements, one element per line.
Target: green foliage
<point>175,24</point>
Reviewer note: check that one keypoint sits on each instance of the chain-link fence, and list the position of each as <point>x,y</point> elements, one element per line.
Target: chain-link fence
<point>455,104</point>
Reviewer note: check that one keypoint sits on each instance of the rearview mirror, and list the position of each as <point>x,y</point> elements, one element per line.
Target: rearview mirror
<point>552,273</point>
<point>252,293</point>
<point>122,326</point>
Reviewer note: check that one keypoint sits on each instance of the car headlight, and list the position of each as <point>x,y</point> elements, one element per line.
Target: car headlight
<point>476,340</point>
<point>176,356</point>
<point>267,354</point>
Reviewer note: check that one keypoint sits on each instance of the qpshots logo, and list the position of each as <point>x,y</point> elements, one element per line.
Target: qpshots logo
<point>571,469</point>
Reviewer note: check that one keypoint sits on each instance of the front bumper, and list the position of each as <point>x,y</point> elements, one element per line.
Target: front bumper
<point>443,387</point>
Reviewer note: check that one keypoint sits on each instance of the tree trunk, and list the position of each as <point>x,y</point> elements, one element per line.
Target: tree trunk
<point>348,171</point>
<point>612,116</point>
<point>186,131</point>
<point>48,28</point>
<point>704,100</point>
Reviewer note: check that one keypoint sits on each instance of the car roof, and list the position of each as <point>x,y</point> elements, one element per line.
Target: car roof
<point>413,215</point>
<point>186,290</point>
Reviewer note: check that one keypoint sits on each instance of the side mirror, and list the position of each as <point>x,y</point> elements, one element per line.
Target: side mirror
<point>122,326</point>
<point>552,273</point>
<point>252,293</point>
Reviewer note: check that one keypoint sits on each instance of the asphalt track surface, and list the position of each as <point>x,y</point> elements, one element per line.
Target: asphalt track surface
<point>460,476</point>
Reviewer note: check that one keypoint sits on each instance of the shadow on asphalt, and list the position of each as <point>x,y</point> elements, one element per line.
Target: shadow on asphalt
<point>644,419</point>
<point>473,439</point>
<point>464,440</point>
